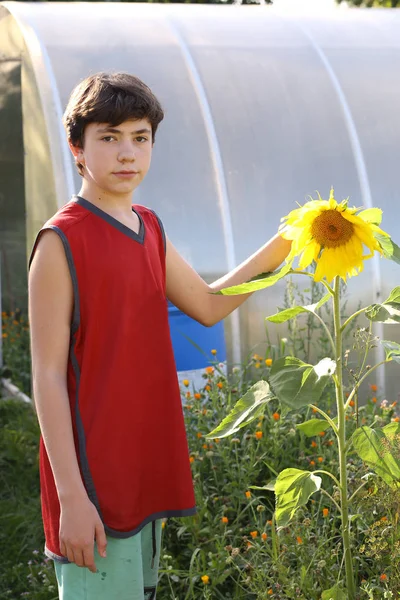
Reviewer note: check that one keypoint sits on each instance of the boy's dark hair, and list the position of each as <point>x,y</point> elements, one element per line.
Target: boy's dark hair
<point>109,98</point>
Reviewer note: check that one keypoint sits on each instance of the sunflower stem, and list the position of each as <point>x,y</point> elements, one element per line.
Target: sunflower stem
<point>350,584</point>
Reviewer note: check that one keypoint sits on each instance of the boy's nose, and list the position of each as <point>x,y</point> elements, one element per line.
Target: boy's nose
<point>127,153</point>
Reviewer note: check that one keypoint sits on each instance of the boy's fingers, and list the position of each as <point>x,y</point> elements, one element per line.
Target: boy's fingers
<point>88,560</point>
<point>101,540</point>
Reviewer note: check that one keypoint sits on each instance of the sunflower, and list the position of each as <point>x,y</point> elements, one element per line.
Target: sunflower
<point>333,235</point>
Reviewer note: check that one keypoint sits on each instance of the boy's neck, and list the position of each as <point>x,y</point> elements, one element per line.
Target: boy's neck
<point>118,205</point>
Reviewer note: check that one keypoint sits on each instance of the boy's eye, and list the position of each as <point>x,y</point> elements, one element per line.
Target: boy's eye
<point>106,138</point>
<point>141,137</point>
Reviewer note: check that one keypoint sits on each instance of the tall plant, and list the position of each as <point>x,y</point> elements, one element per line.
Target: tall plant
<point>332,237</point>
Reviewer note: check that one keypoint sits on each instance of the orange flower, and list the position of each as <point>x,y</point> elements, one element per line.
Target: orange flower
<point>220,385</point>
<point>396,419</point>
<point>205,446</point>
<point>352,403</point>
<point>314,444</point>
<point>374,399</point>
<point>325,512</point>
<point>197,396</point>
<point>270,592</point>
<point>299,540</point>
<point>204,411</point>
<point>269,522</point>
<point>205,579</point>
<point>312,463</point>
<point>264,536</point>
<point>373,387</point>
<point>314,410</point>
<point>217,440</point>
<point>254,534</point>
<point>268,362</point>
<point>208,388</point>
<point>188,406</point>
<point>322,433</point>
<point>384,519</point>
<point>249,544</point>
<point>214,352</point>
<point>330,442</point>
<point>259,435</point>
<point>248,494</point>
<point>186,382</point>
<point>187,394</point>
<point>393,404</point>
<point>209,370</point>
<point>225,520</point>
<point>383,577</point>
<point>320,459</point>
<point>276,416</point>
<point>191,459</point>
<point>199,435</point>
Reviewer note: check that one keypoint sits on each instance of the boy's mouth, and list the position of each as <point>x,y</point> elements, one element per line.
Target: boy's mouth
<point>125,173</point>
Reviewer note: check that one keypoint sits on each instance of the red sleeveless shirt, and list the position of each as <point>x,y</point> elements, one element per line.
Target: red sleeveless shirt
<point>123,390</point>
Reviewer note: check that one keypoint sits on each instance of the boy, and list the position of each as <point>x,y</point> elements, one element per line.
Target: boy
<point>113,451</point>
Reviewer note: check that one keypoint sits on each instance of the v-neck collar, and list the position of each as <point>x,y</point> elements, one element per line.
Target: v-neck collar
<point>138,237</point>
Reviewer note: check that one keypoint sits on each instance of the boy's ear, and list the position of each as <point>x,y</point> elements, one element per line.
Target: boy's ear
<point>76,151</point>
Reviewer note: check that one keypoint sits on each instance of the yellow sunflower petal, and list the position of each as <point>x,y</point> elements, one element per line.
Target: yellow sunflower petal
<point>309,254</point>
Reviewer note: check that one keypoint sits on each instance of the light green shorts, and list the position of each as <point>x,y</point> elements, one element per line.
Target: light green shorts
<point>129,572</point>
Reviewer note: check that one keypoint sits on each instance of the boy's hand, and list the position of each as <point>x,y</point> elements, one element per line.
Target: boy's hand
<point>80,525</point>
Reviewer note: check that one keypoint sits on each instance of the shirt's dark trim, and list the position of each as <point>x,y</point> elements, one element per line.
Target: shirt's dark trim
<point>163,514</point>
<point>138,237</point>
<point>76,312</point>
<point>162,229</point>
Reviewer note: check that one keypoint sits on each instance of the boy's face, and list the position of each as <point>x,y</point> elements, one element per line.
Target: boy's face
<point>116,158</point>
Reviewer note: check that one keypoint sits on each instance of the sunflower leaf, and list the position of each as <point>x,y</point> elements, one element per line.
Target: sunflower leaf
<point>334,593</point>
<point>247,408</point>
<point>314,426</point>
<point>389,248</point>
<point>258,282</point>
<point>371,215</point>
<point>293,488</point>
<point>388,311</point>
<point>371,446</point>
<point>296,383</point>
<point>290,313</point>
<point>392,350</point>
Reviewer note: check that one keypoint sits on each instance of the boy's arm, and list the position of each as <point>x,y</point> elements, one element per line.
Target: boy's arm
<point>50,309</point>
<point>191,294</point>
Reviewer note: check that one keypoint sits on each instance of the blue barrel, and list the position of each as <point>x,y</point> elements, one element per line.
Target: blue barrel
<point>187,356</point>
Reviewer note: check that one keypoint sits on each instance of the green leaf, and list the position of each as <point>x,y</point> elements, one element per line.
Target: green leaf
<point>270,486</point>
<point>314,426</point>
<point>259,282</point>
<point>373,447</point>
<point>371,215</point>
<point>293,488</point>
<point>290,313</point>
<point>296,383</point>
<point>388,311</point>
<point>394,297</point>
<point>334,593</point>
<point>247,408</point>
<point>389,248</point>
<point>392,350</point>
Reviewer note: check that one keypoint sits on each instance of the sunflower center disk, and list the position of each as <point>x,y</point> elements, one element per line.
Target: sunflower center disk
<point>330,229</point>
